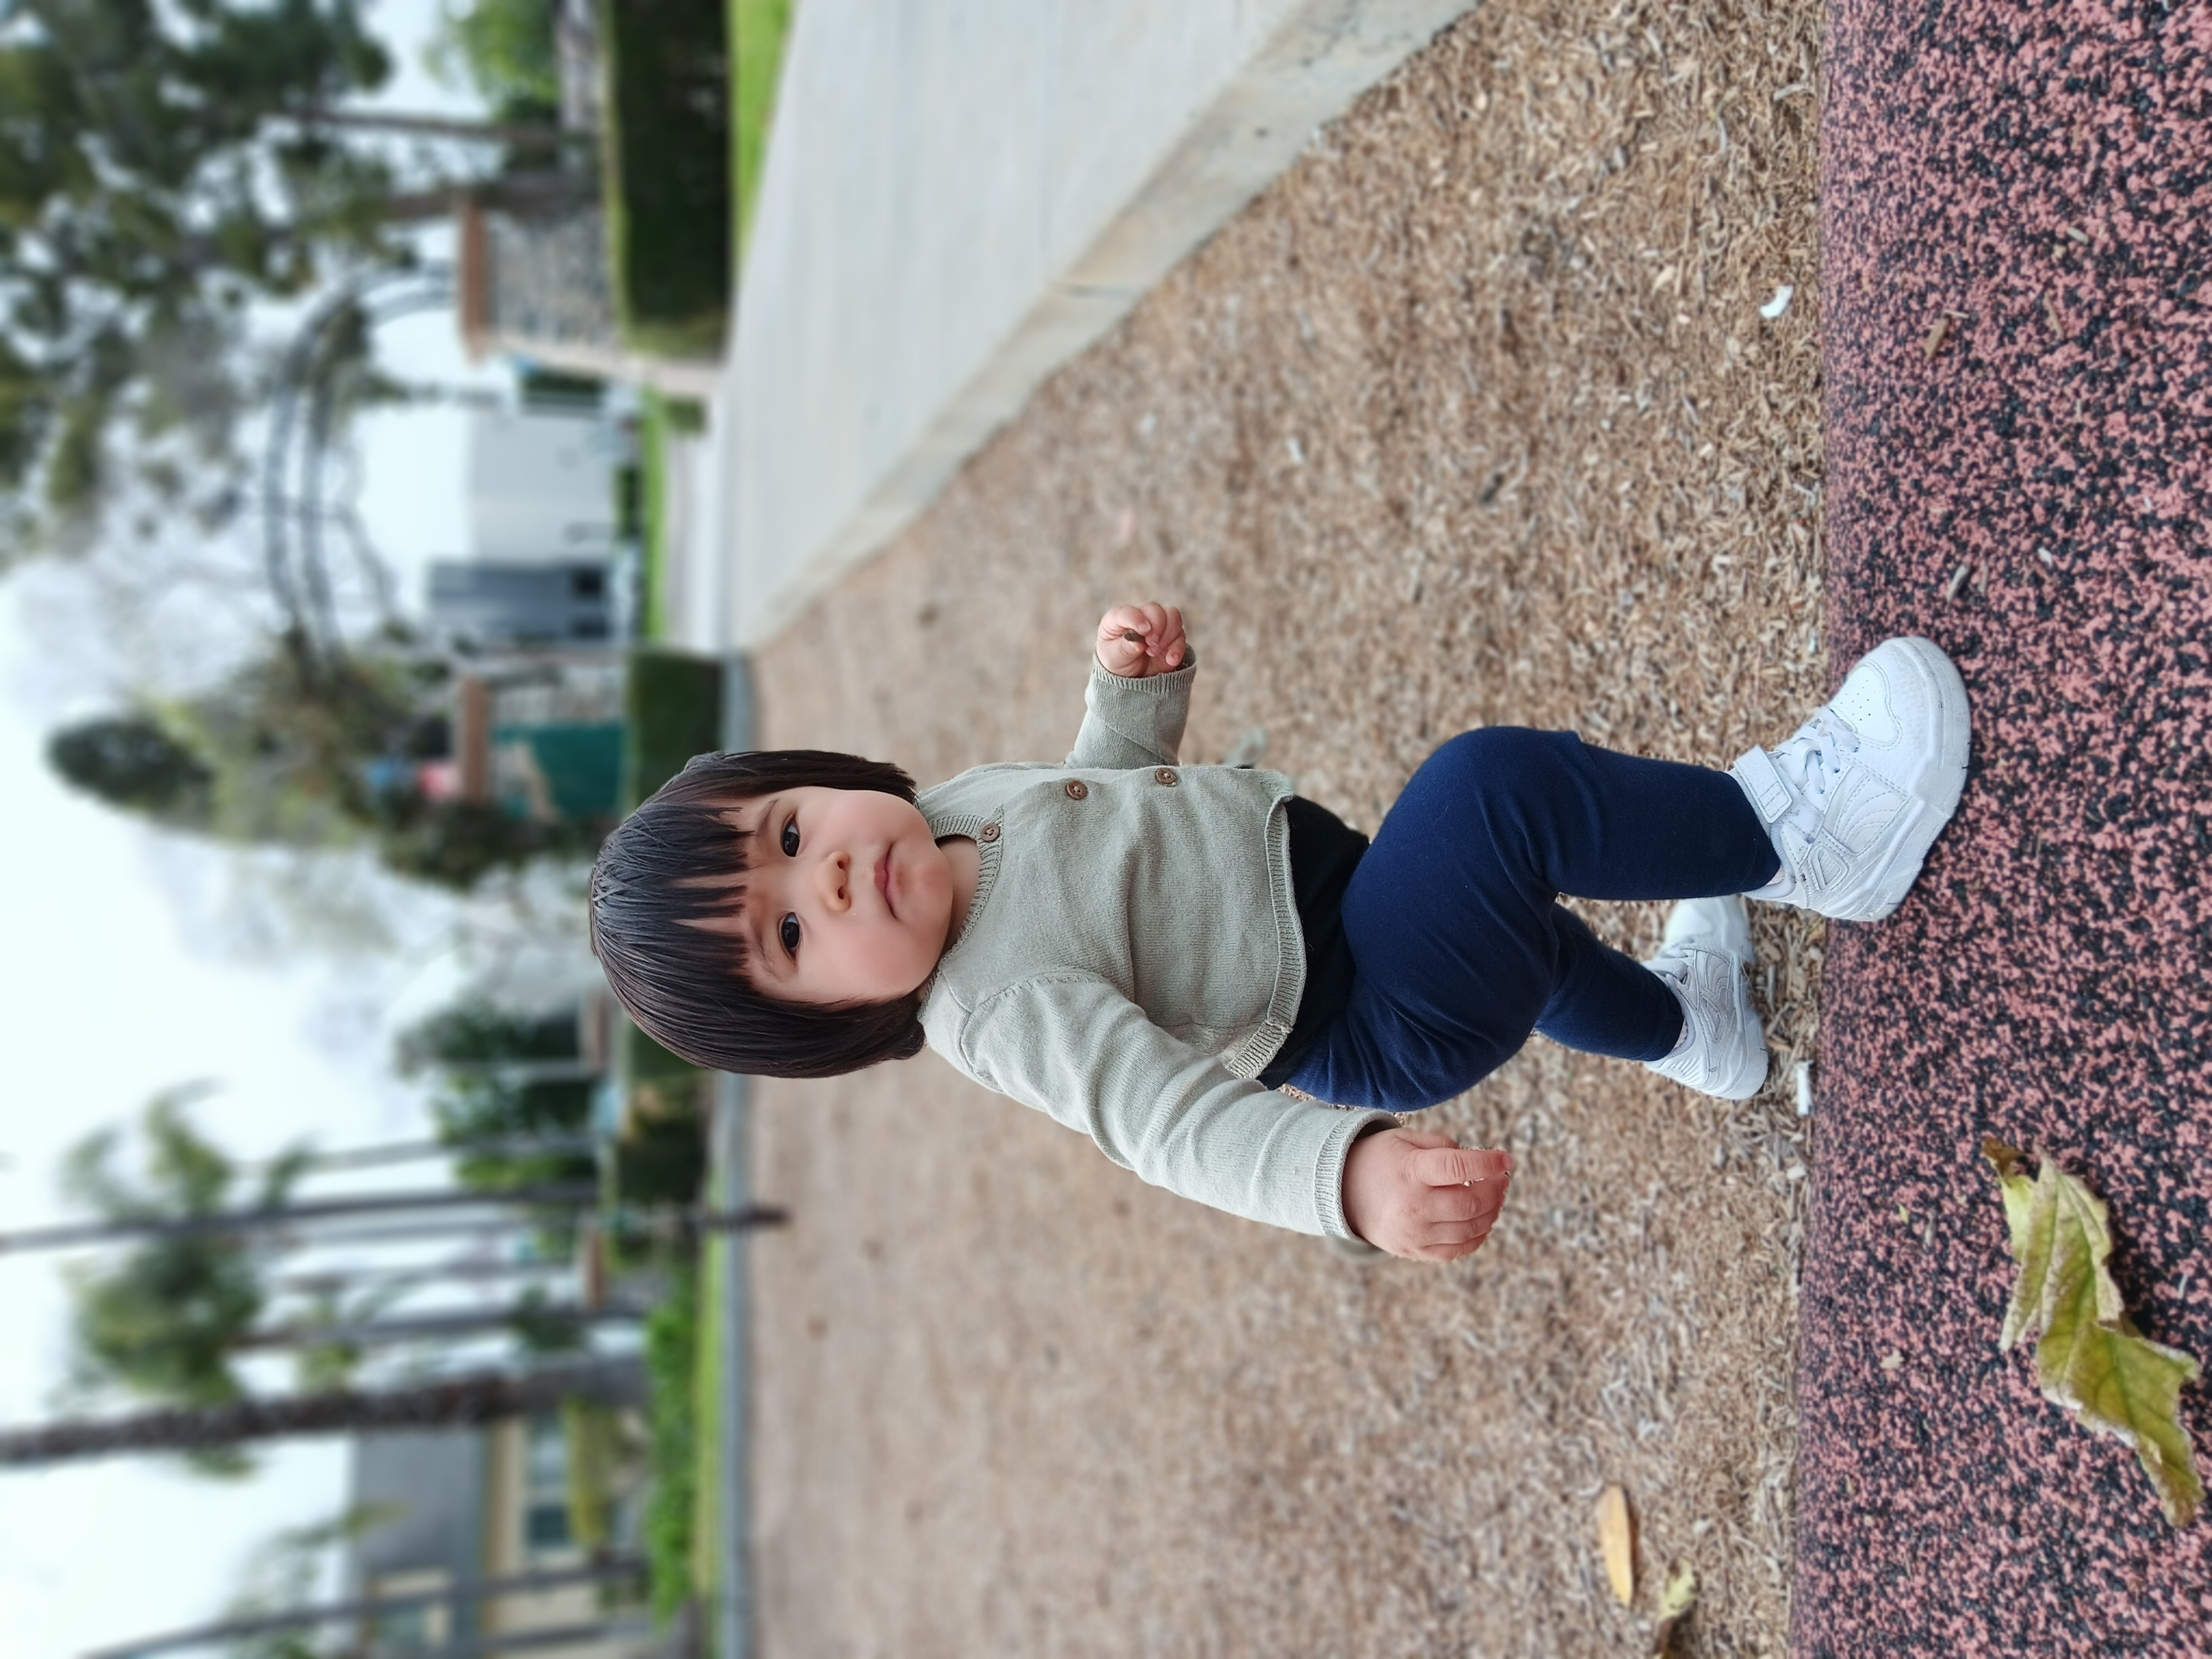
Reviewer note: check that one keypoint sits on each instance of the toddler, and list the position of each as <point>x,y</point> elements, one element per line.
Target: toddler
<point>1148,951</point>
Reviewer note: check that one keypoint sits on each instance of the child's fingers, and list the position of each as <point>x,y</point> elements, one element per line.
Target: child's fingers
<point>1168,643</point>
<point>1448,1166</point>
<point>1122,620</point>
<point>1145,619</point>
<point>1471,1231</point>
<point>1162,627</point>
<point>1424,1137</point>
<point>1117,651</point>
<point>1451,1250</point>
<point>1479,1204</point>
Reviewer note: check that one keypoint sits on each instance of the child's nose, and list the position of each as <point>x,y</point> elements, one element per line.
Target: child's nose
<point>835,873</point>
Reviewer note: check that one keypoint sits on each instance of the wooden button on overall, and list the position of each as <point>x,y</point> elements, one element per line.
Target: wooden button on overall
<point>1077,789</point>
<point>1166,775</point>
<point>989,832</point>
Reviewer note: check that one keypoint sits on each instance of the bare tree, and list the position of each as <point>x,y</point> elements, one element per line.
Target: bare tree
<point>444,1326</point>
<point>606,1569</point>
<point>281,1217</point>
<point>464,1399</point>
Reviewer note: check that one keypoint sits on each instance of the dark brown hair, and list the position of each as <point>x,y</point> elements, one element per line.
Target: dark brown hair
<point>686,987</point>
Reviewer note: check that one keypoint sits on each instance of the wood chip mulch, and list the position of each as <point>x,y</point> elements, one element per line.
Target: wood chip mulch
<point>1472,418</point>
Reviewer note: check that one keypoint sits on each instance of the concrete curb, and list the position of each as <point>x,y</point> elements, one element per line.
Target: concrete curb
<point>730,1183</point>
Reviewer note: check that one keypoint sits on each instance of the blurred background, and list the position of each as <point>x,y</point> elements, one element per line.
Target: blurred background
<point>355,361</point>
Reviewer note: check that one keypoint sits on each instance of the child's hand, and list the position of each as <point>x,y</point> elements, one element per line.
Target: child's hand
<point>1423,1196</point>
<point>1159,647</point>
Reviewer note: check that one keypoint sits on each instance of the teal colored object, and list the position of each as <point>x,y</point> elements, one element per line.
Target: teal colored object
<point>581,764</point>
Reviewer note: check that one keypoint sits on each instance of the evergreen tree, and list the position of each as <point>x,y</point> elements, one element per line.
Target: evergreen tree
<point>133,762</point>
<point>290,751</point>
<point>467,1400</point>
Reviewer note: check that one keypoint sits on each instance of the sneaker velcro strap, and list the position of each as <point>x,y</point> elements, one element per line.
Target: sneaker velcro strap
<point>1762,781</point>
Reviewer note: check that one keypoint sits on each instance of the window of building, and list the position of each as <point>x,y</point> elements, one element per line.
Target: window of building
<point>423,1628</point>
<point>545,1487</point>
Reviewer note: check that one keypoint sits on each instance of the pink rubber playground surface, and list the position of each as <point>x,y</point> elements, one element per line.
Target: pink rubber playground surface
<point>2038,180</point>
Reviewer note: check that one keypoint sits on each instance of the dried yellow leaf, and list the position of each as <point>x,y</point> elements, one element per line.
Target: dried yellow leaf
<point>1616,1537</point>
<point>2090,1358</point>
<point>1674,1605</point>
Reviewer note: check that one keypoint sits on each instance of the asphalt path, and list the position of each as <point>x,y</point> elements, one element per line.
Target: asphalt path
<point>2016,210</point>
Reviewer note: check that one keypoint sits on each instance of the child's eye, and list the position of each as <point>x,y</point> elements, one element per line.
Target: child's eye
<point>791,839</point>
<point>788,930</point>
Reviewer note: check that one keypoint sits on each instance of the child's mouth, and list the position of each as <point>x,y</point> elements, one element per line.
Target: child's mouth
<point>883,882</point>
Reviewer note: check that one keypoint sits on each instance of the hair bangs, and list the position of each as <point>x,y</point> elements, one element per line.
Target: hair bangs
<point>686,986</point>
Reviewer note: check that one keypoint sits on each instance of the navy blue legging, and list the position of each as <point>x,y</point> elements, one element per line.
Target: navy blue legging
<point>1459,944</point>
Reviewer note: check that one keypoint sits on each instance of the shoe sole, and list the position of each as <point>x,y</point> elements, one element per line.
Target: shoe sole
<point>1954,737</point>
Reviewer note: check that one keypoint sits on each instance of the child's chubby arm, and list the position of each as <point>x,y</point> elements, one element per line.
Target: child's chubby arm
<point>1140,692</point>
<point>1076,1049</point>
<point>1423,1196</point>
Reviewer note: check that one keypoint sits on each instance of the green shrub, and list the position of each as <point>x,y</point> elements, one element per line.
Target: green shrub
<point>593,1441</point>
<point>645,1061</point>
<point>662,1159</point>
<point>671,1361</point>
<point>673,706</point>
<point>630,502</point>
<point>666,157</point>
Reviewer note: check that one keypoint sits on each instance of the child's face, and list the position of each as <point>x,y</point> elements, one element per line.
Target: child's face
<point>849,898</point>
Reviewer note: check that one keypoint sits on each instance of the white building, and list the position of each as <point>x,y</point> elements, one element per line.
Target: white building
<point>542,486</point>
<point>471,1539</point>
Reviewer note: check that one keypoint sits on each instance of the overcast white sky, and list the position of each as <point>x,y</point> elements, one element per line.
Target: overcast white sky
<point>112,989</point>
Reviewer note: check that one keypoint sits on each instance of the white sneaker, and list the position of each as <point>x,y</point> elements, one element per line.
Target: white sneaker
<point>1723,1048</point>
<point>1854,800</point>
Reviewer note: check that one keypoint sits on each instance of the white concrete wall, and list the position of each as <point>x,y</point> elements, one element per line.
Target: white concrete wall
<point>960,195</point>
<point>541,486</point>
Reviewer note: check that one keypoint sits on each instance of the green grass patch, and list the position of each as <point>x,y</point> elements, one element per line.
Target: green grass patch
<point>672,1362</point>
<point>641,497</point>
<point>666,153</point>
<point>760,30</point>
<point>672,706</point>
<point>711,1544</point>
<point>652,516</point>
